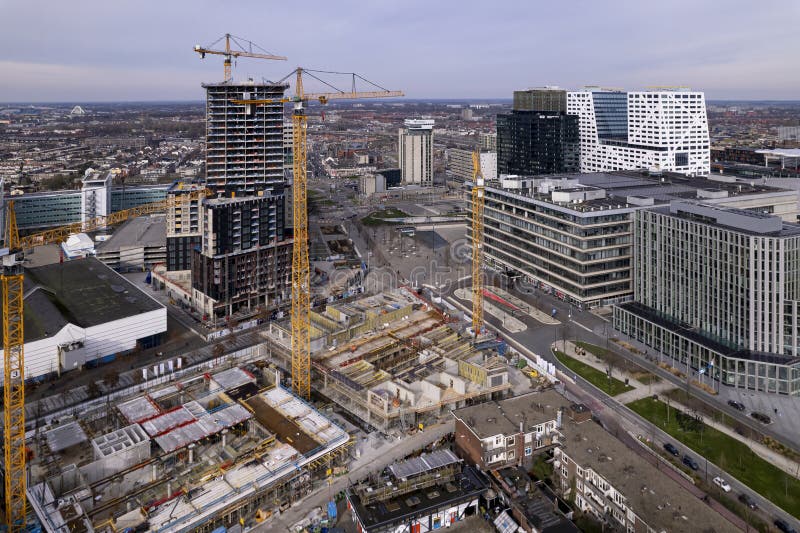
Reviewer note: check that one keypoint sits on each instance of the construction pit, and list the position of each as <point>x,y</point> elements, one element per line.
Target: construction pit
<point>395,362</point>
<point>191,455</point>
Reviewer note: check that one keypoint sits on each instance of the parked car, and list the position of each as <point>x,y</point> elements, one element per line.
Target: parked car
<point>784,526</point>
<point>672,449</point>
<point>721,483</point>
<point>691,463</point>
<point>761,417</point>
<point>736,405</point>
<point>748,501</point>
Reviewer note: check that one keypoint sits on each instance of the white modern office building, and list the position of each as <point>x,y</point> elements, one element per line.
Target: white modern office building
<point>415,152</point>
<point>717,292</point>
<point>664,129</point>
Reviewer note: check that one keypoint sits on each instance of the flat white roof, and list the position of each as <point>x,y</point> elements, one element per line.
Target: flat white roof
<point>782,152</point>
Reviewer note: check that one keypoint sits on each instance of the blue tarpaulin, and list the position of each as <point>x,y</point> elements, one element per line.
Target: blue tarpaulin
<point>331,510</point>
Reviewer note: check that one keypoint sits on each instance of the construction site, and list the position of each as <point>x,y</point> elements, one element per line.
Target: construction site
<point>395,362</point>
<point>191,455</point>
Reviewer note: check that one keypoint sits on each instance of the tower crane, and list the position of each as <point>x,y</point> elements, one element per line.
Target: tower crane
<point>229,53</point>
<point>301,286</point>
<point>477,244</point>
<point>11,283</point>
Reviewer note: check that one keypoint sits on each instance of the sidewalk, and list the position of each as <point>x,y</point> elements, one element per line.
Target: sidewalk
<point>510,323</point>
<point>530,310</point>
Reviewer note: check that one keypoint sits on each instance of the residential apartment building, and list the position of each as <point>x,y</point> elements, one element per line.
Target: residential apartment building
<point>244,259</point>
<point>622,490</point>
<point>415,152</point>
<point>657,129</point>
<point>236,244</point>
<point>488,142</point>
<point>717,290</point>
<point>537,137</point>
<point>460,164</point>
<point>494,435</point>
<point>183,227</point>
<point>572,235</point>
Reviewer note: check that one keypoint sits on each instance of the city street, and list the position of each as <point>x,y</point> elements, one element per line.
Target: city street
<point>538,339</point>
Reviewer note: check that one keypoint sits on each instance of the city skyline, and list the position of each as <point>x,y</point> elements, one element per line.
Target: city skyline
<point>131,52</point>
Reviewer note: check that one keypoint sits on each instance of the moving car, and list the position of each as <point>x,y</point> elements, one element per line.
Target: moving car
<point>784,526</point>
<point>672,449</point>
<point>761,417</point>
<point>748,501</point>
<point>691,463</point>
<point>736,405</point>
<point>721,483</point>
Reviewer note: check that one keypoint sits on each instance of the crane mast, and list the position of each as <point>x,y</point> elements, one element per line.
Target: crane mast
<point>477,244</point>
<point>301,290</point>
<point>15,478</point>
<point>301,283</point>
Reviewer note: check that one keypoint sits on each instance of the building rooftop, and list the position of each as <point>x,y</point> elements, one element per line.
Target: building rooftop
<point>741,220</point>
<point>504,417</point>
<point>84,292</point>
<point>466,483</point>
<point>137,232</point>
<point>424,463</point>
<point>65,436</point>
<point>781,152</point>
<point>248,83</point>
<point>655,497</point>
<point>529,500</point>
<point>620,186</point>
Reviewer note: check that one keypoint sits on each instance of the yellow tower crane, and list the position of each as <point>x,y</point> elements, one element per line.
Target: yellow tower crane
<point>477,244</point>
<point>11,281</point>
<point>230,53</point>
<point>301,283</point>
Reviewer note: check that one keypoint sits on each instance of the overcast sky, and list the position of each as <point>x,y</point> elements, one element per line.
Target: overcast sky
<point>90,50</point>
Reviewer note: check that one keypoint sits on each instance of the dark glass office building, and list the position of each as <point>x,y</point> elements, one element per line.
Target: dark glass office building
<point>531,143</point>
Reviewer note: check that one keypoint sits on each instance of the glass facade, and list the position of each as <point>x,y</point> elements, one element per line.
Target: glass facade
<point>64,207</point>
<point>531,143</point>
<point>676,345</point>
<point>611,115</point>
<point>717,300</point>
<point>45,210</point>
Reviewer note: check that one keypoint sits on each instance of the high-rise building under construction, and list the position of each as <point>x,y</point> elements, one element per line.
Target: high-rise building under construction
<point>241,259</point>
<point>244,143</point>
